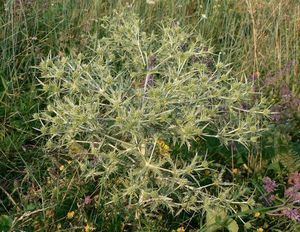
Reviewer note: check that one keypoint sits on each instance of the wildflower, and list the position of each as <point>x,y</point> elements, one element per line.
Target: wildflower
<point>204,16</point>
<point>293,193</point>
<point>257,214</point>
<point>87,228</point>
<point>164,149</point>
<point>260,229</point>
<point>180,229</point>
<point>88,200</point>
<point>61,167</point>
<point>70,214</point>
<point>292,214</point>
<point>269,185</point>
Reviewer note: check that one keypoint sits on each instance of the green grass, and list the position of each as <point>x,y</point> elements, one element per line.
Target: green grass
<point>254,36</point>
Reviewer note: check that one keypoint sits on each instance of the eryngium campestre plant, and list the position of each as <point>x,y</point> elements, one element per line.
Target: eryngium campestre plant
<point>136,99</point>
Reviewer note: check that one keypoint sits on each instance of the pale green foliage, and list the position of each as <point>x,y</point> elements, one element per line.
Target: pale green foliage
<point>103,104</point>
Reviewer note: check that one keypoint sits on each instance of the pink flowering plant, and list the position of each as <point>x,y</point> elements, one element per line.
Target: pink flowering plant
<point>286,204</point>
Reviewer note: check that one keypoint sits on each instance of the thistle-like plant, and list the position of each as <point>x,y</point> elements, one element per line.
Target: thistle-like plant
<point>121,113</point>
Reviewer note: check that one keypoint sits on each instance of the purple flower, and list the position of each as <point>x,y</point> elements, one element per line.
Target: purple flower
<point>293,193</point>
<point>269,185</point>
<point>88,200</point>
<point>291,214</point>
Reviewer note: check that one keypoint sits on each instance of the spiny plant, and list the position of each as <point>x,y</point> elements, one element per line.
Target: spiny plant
<point>136,118</point>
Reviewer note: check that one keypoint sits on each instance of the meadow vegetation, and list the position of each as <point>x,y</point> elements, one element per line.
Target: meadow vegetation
<point>149,115</point>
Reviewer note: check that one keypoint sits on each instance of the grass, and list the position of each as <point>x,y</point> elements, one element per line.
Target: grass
<point>256,37</point>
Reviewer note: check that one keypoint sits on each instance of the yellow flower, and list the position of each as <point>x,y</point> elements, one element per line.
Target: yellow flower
<point>70,214</point>
<point>257,214</point>
<point>164,149</point>
<point>87,228</point>
<point>180,229</point>
<point>260,230</point>
<point>61,167</point>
